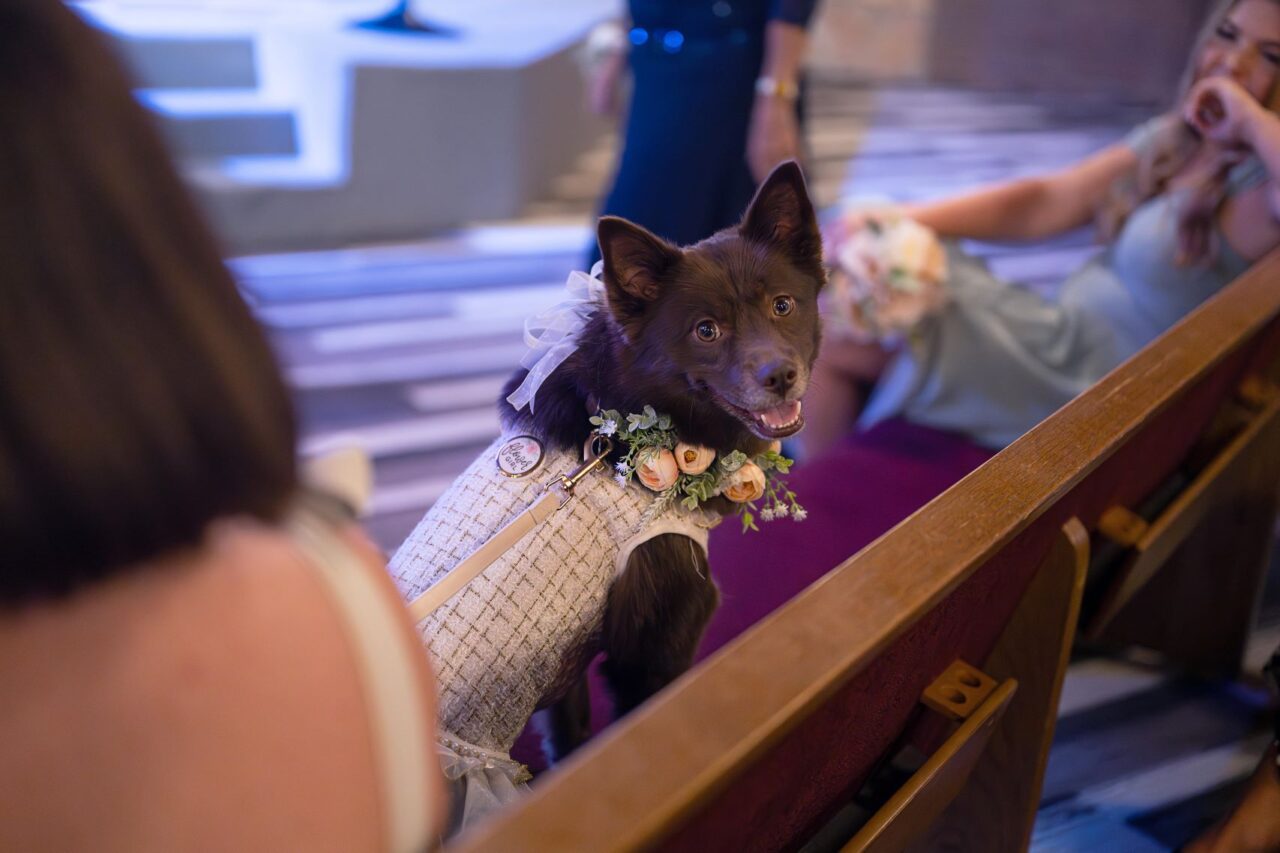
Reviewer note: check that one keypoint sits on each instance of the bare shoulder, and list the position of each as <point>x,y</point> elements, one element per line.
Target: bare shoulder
<point>218,684</point>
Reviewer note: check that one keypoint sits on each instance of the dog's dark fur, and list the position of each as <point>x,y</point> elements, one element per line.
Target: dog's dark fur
<point>644,351</point>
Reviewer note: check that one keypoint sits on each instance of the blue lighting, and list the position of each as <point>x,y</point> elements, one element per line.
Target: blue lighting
<point>638,35</point>
<point>672,41</point>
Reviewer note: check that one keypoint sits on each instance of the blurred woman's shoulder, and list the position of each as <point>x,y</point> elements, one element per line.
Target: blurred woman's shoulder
<point>211,695</point>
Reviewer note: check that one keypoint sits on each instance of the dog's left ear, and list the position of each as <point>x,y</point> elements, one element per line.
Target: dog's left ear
<point>782,215</point>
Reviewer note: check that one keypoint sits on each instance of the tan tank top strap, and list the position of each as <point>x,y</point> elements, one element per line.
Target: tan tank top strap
<point>397,718</point>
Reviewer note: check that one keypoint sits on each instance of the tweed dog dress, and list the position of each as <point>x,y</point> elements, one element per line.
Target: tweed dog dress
<point>519,635</point>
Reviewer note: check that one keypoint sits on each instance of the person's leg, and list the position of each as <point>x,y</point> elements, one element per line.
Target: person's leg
<point>840,376</point>
<point>1253,826</point>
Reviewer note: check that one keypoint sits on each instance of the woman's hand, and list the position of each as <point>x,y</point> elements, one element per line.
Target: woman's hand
<point>1223,112</point>
<point>773,136</point>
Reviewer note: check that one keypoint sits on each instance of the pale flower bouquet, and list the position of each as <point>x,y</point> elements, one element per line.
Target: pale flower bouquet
<point>889,273</point>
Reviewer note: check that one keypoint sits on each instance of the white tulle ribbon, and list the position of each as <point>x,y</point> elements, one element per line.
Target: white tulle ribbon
<point>552,336</point>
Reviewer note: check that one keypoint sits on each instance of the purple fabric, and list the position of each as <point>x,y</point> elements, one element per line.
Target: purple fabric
<point>853,494</point>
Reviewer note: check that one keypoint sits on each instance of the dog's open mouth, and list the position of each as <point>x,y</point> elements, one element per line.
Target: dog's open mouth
<point>778,422</point>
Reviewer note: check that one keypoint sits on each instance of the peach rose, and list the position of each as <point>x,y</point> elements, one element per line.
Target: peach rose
<point>745,485</point>
<point>658,471</point>
<point>694,458</point>
<point>775,446</point>
<point>914,248</point>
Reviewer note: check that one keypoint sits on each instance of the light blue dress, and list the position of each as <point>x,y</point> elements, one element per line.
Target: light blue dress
<point>998,359</point>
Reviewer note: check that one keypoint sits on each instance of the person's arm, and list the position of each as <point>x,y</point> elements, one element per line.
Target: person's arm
<point>1229,116</point>
<point>606,61</point>
<point>785,44</point>
<point>774,133</point>
<point>1029,208</point>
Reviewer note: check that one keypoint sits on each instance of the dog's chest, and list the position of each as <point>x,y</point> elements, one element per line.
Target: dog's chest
<point>501,645</point>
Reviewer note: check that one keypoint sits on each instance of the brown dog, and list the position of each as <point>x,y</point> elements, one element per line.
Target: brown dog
<point>720,336</point>
<point>706,334</point>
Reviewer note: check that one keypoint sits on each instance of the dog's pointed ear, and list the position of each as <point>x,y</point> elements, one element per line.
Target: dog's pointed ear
<point>635,261</point>
<point>782,215</point>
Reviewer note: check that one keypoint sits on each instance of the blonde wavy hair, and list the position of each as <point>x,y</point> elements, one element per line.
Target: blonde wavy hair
<point>1172,149</point>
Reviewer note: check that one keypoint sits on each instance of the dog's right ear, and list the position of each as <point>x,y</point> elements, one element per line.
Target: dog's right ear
<point>635,262</point>
<point>634,259</point>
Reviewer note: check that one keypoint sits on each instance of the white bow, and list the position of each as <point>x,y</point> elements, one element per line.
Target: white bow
<point>552,336</point>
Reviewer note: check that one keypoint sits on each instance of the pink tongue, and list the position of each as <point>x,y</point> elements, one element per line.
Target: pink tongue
<point>782,415</point>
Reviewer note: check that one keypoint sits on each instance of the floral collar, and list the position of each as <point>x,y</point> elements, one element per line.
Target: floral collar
<point>692,475</point>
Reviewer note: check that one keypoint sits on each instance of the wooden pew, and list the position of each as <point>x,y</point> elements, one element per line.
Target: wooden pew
<point>1190,578</point>
<point>756,748</point>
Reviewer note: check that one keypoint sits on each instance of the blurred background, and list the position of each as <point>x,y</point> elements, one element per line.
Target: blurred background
<point>395,204</point>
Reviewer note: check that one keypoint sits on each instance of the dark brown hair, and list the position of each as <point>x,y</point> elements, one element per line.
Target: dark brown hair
<point>140,399</point>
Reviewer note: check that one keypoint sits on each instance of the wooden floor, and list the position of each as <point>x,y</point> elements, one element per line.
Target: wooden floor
<point>404,348</point>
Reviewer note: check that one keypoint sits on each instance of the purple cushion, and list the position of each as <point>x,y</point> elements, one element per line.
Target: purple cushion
<point>853,494</point>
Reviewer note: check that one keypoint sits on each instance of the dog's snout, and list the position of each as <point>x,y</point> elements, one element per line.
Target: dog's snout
<point>778,376</point>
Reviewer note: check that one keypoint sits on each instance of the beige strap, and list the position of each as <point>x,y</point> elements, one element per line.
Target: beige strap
<point>682,525</point>
<point>398,720</point>
<point>484,556</point>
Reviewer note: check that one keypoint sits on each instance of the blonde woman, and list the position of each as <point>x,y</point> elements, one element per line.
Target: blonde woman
<point>1185,204</point>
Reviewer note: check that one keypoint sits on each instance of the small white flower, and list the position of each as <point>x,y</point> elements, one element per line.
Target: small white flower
<point>767,513</point>
<point>800,514</point>
<point>620,480</point>
<point>609,427</point>
<point>622,468</point>
<point>781,510</point>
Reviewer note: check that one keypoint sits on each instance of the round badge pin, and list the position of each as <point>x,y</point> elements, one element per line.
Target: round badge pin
<point>520,456</point>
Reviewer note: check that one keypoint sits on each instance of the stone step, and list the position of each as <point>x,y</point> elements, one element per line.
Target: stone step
<point>323,284</point>
<point>462,428</point>
<point>384,136</point>
<point>264,133</point>
<point>408,365</point>
<point>190,62</point>
<point>208,127</point>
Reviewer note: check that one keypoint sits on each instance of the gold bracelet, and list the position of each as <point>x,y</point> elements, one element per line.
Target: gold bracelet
<point>774,87</point>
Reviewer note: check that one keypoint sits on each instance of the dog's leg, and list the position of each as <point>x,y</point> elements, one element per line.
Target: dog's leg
<point>566,725</point>
<point>656,614</point>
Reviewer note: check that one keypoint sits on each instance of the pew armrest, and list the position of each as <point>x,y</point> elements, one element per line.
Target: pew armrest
<point>924,796</point>
<point>1152,545</point>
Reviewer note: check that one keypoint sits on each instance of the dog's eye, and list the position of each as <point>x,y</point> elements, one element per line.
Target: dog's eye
<point>707,331</point>
<point>783,305</point>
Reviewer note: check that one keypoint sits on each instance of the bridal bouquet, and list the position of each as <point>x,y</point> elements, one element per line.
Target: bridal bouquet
<point>889,274</point>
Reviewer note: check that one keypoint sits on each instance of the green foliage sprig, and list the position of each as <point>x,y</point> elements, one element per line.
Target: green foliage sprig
<point>649,435</point>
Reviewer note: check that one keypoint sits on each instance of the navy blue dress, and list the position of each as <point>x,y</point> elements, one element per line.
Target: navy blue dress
<point>683,171</point>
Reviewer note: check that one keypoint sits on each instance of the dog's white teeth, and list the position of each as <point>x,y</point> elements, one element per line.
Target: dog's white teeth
<point>781,417</point>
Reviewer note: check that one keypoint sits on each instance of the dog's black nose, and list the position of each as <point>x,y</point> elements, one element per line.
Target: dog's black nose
<point>777,376</point>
